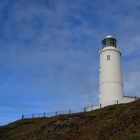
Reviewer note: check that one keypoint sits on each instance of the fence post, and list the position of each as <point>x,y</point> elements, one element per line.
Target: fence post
<point>91,107</point>
<point>85,109</point>
<point>135,97</point>
<point>56,113</point>
<point>33,116</point>
<point>117,102</point>
<point>100,106</point>
<point>22,117</point>
<point>69,111</point>
<point>44,114</point>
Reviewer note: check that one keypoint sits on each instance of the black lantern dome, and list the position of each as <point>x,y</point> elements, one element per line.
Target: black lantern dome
<point>109,41</point>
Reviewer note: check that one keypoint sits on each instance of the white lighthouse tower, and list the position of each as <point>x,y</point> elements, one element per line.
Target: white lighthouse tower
<point>110,75</point>
<point>110,80</point>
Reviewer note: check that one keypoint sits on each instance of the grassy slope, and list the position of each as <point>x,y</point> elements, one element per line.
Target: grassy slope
<point>117,122</point>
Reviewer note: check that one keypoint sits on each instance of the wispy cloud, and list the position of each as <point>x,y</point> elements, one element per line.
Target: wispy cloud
<point>49,49</point>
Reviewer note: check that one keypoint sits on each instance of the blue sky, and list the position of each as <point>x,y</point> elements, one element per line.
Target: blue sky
<point>49,52</point>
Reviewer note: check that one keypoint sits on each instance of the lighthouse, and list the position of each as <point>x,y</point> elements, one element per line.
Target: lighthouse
<point>110,79</point>
<point>111,87</point>
<point>110,74</point>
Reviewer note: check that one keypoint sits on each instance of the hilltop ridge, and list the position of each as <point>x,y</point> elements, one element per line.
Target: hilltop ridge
<point>116,122</point>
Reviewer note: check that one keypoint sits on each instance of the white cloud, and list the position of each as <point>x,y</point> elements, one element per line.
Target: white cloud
<point>54,46</point>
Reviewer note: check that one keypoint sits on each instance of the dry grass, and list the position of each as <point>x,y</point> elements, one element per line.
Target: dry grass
<point>117,122</point>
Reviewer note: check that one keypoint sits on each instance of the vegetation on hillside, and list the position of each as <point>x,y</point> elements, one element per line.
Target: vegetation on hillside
<point>116,122</point>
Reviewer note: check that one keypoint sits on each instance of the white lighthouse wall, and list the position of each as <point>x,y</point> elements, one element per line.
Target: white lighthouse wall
<point>110,77</point>
<point>127,99</point>
<point>111,84</point>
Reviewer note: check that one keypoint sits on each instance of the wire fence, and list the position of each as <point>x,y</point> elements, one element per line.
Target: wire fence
<point>74,111</point>
<point>55,113</point>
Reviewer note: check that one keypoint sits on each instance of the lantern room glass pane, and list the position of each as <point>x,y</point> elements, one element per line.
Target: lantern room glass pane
<point>109,42</point>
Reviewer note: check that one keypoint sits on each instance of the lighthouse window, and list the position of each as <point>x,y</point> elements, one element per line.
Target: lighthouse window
<point>108,57</point>
<point>111,42</point>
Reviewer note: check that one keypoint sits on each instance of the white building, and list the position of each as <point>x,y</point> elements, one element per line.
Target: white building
<point>110,81</point>
<point>110,75</point>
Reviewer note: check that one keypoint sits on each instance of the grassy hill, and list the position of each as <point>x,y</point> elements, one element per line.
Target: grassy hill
<point>116,122</point>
